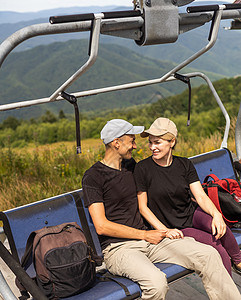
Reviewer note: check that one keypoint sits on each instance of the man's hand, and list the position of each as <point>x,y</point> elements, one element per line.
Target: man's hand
<point>154,236</point>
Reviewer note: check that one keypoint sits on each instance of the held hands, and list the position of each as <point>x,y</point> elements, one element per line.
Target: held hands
<point>174,234</point>
<point>154,236</point>
<point>218,226</point>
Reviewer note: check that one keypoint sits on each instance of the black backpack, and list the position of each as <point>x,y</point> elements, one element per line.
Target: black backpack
<point>65,265</point>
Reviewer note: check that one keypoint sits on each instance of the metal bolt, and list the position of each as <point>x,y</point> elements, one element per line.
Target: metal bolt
<point>148,3</point>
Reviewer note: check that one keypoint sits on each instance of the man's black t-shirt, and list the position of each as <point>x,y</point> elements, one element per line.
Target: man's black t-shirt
<point>117,190</point>
<point>168,190</point>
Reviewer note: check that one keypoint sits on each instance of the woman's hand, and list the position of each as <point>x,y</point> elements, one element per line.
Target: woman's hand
<point>174,234</point>
<point>218,225</point>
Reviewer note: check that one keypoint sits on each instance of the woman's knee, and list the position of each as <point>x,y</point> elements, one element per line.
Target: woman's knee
<point>202,220</point>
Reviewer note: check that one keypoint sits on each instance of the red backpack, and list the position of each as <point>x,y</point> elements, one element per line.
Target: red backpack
<point>226,195</point>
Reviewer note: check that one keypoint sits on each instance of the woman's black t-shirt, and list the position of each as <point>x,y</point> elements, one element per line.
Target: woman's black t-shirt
<point>168,190</point>
<point>117,190</point>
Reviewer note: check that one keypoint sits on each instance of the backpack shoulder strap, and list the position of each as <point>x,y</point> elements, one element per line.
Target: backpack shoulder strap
<point>28,251</point>
<point>213,195</point>
<point>109,277</point>
<point>213,176</point>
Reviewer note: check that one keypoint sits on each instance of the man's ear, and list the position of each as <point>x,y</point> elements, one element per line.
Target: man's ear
<point>116,144</point>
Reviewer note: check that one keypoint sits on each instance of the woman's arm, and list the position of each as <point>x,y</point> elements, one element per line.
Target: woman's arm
<point>153,220</point>
<point>206,204</point>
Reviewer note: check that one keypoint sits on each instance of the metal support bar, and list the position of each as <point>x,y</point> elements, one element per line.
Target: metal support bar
<point>127,85</point>
<point>5,290</point>
<point>89,63</point>
<point>21,274</point>
<point>214,7</point>
<point>28,32</point>
<point>238,134</point>
<point>110,27</point>
<point>219,102</point>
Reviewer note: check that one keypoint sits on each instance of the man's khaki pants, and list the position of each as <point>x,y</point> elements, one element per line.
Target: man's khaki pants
<point>134,259</point>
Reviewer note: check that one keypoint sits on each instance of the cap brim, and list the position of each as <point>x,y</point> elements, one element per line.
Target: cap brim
<point>154,132</point>
<point>136,130</point>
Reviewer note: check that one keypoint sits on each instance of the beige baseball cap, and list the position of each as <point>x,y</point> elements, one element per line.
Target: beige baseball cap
<point>160,127</point>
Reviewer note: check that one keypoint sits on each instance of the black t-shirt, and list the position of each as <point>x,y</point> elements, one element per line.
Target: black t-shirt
<point>168,190</point>
<point>117,190</point>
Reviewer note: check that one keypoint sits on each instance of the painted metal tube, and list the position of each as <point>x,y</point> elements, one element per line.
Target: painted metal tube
<point>224,111</point>
<point>134,84</point>
<point>107,27</point>
<point>46,29</point>
<point>5,290</point>
<point>89,63</point>
<point>37,30</point>
<point>238,134</point>
<point>28,283</point>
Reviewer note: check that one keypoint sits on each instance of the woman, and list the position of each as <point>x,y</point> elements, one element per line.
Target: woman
<point>166,185</point>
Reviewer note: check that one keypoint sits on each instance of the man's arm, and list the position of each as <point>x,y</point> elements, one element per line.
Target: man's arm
<point>171,233</point>
<point>105,227</point>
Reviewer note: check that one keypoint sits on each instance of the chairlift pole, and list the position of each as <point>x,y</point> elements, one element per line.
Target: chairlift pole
<point>238,134</point>
<point>89,63</point>
<point>5,290</point>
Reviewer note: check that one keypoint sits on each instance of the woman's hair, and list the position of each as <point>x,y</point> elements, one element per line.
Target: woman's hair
<point>168,137</point>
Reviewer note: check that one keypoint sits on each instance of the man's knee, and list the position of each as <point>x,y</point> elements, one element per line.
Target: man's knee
<point>156,287</point>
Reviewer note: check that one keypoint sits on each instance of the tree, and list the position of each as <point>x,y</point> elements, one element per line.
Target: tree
<point>61,115</point>
<point>11,122</point>
<point>48,117</point>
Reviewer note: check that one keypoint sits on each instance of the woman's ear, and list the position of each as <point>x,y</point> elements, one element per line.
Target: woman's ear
<point>173,142</point>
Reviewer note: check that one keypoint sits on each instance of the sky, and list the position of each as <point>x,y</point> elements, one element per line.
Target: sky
<point>37,5</point>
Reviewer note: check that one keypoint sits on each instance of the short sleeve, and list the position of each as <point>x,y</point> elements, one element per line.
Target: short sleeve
<point>192,175</point>
<point>92,190</point>
<point>139,176</point>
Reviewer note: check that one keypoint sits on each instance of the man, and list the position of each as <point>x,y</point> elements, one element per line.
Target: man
<point>129,248</point>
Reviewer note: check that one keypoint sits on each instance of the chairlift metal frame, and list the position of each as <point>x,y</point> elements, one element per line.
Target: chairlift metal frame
<point>128,24</point>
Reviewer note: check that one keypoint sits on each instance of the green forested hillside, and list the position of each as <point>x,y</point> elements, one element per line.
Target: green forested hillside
<point>38,72</point>
<point>206,117</point>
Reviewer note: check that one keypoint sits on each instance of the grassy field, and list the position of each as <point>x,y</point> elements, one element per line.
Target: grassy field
<point>37,172</point>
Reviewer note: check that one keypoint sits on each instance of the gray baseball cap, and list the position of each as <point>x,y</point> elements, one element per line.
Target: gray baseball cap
<point>116,128</point>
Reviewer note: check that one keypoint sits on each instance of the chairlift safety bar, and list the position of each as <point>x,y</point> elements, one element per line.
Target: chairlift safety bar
<point>103,23</point>
<point>214,7</point>
<point>92,16</point>
<point>123,86</point>
<point>92,58</point>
